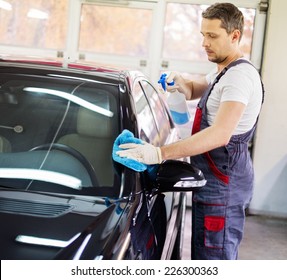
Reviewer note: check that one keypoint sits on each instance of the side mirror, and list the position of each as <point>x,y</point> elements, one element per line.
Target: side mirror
<point>175,175</point>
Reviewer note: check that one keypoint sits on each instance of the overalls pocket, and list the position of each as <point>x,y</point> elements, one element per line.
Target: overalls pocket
<point>214,231</point>
<point>209,225</point>
<point>218,162</point>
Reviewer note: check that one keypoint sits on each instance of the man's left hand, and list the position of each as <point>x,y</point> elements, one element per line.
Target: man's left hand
<point>144,153</point>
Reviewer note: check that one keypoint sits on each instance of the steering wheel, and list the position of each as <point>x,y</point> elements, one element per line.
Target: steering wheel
<point>76,154</point>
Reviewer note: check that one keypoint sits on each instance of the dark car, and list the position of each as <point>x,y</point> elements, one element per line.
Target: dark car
<point>61,194</point>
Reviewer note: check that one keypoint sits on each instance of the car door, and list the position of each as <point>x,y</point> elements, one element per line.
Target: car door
<point>174,201</point>
<point>154,213</point>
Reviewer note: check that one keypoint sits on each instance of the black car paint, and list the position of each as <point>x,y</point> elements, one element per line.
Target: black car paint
<point>127,228</point>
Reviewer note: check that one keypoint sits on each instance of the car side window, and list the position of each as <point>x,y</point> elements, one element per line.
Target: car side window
<point>159,111</point>
<point>148,128</point>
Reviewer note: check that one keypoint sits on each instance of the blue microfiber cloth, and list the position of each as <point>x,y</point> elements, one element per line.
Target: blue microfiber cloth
<point>128,137</point>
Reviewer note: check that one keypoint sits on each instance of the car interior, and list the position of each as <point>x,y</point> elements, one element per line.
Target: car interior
<point>42,122</point>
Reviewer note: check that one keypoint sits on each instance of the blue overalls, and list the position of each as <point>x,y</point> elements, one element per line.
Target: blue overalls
<point>218,209</point>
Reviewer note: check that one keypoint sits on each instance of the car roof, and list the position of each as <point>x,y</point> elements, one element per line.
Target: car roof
<point>60,63</point>
<point>102,72</point>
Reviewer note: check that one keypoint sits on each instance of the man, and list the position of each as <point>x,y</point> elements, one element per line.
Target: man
<point>225,120</point>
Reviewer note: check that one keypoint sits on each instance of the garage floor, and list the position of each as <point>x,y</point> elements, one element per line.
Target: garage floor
<point>265,238</point>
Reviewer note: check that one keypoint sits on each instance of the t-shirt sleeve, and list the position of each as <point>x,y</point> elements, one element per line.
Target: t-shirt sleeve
<point>237,86</point>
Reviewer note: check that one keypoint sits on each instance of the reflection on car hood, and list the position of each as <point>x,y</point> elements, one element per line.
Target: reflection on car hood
<point>41,226</point>
<point>41,175</point>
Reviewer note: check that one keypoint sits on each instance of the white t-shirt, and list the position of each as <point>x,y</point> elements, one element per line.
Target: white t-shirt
<point>240,83</point>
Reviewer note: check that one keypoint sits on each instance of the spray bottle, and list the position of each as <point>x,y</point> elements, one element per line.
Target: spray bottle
<point>178,108</point>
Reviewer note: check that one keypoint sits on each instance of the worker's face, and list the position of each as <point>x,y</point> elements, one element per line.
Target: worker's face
<point>216,42</point>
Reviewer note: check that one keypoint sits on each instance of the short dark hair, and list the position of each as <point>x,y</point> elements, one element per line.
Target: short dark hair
<point>230,16</point>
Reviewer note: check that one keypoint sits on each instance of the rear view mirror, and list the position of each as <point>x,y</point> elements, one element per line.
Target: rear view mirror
<point>174,175</point>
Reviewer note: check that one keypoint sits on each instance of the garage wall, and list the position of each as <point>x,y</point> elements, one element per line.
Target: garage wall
<point>270,152</point>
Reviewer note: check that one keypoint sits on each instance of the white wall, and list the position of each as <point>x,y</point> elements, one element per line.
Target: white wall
<point>270,153</point>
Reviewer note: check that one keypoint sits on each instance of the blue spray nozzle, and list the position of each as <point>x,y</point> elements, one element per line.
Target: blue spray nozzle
<point>162,81</point>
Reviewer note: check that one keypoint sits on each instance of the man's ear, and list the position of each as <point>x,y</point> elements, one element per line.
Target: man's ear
<point>236,35</point>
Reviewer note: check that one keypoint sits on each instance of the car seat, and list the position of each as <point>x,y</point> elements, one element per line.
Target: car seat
<point>94,140</point>
<point>5,146</point>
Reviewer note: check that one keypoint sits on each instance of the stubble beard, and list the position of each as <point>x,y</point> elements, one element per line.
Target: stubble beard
<point>217,60</point>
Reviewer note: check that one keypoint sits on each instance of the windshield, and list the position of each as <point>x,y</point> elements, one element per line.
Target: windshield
<point>57,131</point>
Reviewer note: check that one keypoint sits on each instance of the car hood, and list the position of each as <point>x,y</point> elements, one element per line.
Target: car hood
<point>52,226</point>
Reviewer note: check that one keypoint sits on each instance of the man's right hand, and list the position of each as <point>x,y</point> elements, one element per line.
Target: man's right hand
<point>179,83</point>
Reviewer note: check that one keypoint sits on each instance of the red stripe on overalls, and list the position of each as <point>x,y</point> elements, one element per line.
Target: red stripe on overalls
<point>196,128</point>
<point>197,123</point>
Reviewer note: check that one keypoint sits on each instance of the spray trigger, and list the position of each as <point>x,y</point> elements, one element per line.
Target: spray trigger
<point>162,81</point>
